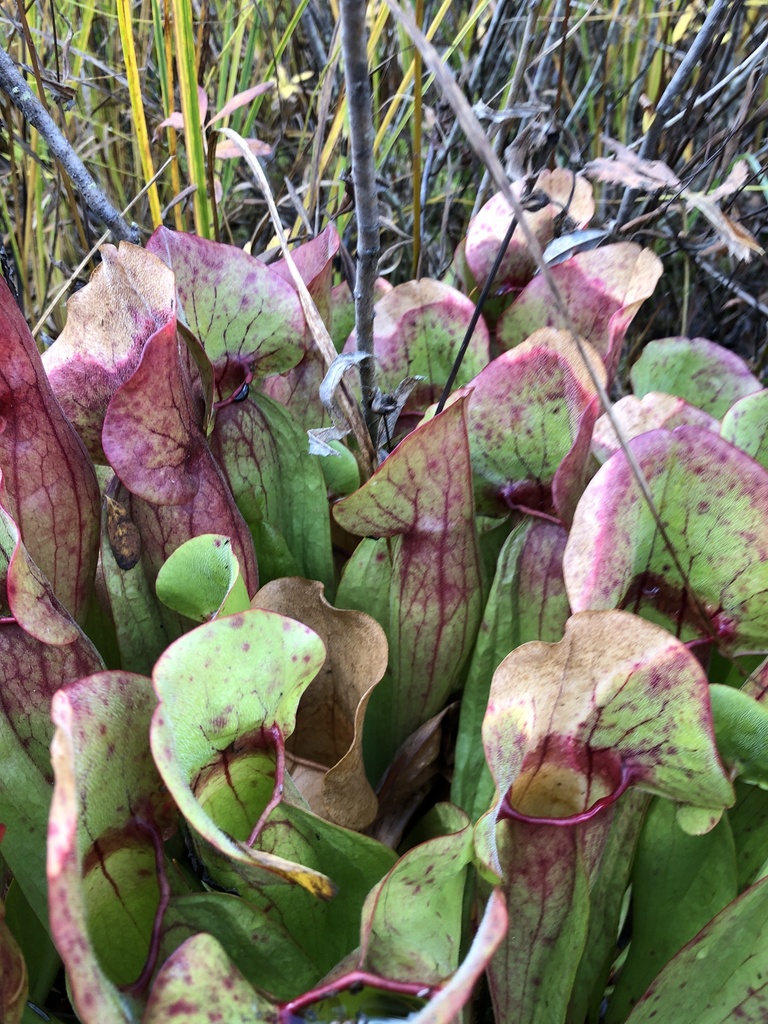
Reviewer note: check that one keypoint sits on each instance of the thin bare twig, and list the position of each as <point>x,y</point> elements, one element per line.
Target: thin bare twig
<point>671,94</point>
<point>21,96</point>
<point>354,39</point>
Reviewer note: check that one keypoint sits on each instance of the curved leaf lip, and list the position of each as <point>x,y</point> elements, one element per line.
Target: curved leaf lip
<point>239,390</point>
<point>531,497</point>
<point>28,596</point>
<point>352,982</point>
<point>248,318</point>
<point>628,775</point>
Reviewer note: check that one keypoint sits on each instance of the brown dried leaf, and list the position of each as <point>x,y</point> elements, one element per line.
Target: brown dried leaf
<point>230,151</point>
<point>738,241</point>
<point>327,740</point>
<point>632,170</point>
<point>735,180</point>
<point>409,779</point>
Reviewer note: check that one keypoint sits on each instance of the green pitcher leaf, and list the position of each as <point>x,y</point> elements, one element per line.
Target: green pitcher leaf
<point>412,919</point>
<point>569,726</point>
<point>720,976</point>
<point>41,649</point>
<point>741,728</point>
<point>228,695</point>
<point>48,484</point>
<point>703,373</point>
<point>454,995</point>
<point>247,317</point>
<point>712,499</point>
<point>524,415</point>
<point>325,930</point>
<point>277,485</point>
<point>605,689</point>
<point>200,984</point>
<point>637,416</point>
<point>417,331</point>
<point>547,892</point>
<point>527,602</point>
<point>259,944</point>
<point>608,887</point>
<point>130,296</point>
<point>602,290</point>
<point>422,495</point>
<point>107,873</point>
<point>679,883</point>
<point>746,425</point>
<point>202,580</point>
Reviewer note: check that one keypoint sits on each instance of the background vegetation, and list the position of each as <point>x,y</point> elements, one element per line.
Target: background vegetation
<point>551,80</point>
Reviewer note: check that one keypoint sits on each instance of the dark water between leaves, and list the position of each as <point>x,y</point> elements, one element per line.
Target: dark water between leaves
<point>369,1006</point>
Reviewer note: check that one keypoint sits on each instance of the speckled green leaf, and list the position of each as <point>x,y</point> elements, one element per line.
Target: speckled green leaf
<point>260,945</point>
<point>524,412</point>
<point>202,579</point>
<point>741,728</point>
<point>712,499</point>
<point>249,320</point>
<point>679,883</point>
<point>417,331</point>
<point>547,892</point>
<point>454,995</point>
<point>412,919</point>
<point>637,416</point>
<point>275,482</point>
<point>107,872</point>
<point>228,696</point>
<point>422,495</point>
<point>199,984</point>
<point>602,290</point>
<point>746,425</point>
<point>607,891</point>
<point>615,684</point>
<point>703,373</point>
<point>324,930</point>
<point>721,975</point>
<point>527,602</point>
<point>569,726</point>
